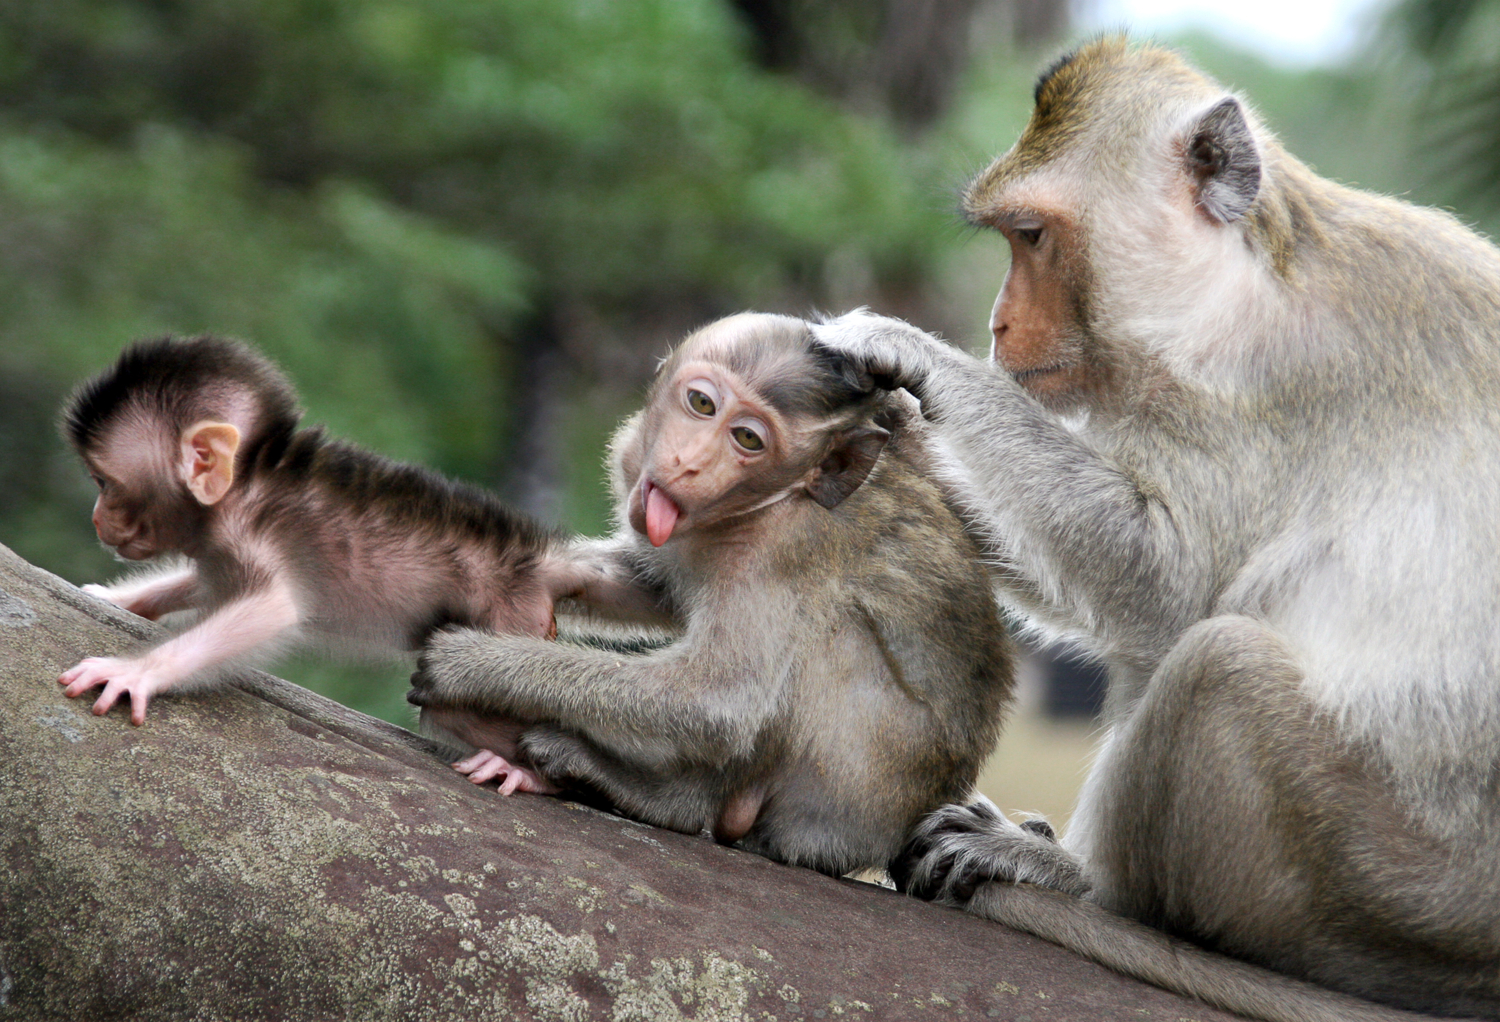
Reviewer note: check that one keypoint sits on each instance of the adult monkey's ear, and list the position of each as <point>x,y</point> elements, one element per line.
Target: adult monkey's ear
<point>1224,161</point>
<point>847,465</point>
<point>208,450</point>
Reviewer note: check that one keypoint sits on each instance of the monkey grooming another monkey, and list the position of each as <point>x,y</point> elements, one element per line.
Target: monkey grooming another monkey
<point>841,665</point>
<point>1240,438</point>
<point>287,534</point>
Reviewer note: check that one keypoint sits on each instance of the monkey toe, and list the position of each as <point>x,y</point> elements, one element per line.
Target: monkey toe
<point>918,872</point>
<point>960,884</point>
<point>959,848</point>
<point>1040,827</point>
<point>902,868</point>
<point>974,817</point>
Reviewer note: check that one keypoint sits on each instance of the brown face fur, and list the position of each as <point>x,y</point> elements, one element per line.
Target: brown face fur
<point>1037,323</point>
<point>1042,323</point>
<point>708,436</point>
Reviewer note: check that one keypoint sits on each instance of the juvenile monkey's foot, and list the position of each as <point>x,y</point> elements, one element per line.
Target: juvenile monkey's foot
<point>485,765</point>
<point>959,847</point>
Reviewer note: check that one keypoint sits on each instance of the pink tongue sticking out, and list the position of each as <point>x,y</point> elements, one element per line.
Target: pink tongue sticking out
<point>661,515</point>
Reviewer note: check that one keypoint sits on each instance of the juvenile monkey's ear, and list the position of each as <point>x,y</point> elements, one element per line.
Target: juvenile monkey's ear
<point>1224,161</point>
<point>208,450</point>
<point>845,467</point>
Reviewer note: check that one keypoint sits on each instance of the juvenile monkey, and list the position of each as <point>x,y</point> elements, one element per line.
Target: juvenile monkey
<point>1240,437</point>
<point>840,667</point>
<point>286,533</point>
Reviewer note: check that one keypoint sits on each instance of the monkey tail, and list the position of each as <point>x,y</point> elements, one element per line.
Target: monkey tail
<point>1137,950</point>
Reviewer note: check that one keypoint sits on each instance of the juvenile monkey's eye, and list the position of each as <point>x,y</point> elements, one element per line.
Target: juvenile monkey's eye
<point>747,438</point>
<point>700,402</point>
<point>1030,235</point>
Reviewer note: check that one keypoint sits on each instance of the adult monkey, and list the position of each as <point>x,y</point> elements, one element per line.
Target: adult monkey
<point>1243,441</point>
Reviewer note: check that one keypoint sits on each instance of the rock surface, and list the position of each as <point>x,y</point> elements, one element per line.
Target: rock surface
<point>259,852</point>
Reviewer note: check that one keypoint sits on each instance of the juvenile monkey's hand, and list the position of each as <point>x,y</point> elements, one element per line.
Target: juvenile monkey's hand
<point>519,678</point>
<point>959,847</point>
<point>132,678</point>
<point>104,593</point>
<point>451,664</point>
<point>139,604</point>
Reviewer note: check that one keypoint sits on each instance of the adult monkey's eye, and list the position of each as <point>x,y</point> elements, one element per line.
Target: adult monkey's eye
<point>747,438</point>
<point>1030,235</point>
<point>700,402</point>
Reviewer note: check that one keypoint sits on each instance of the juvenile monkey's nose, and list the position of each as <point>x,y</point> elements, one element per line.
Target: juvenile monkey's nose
<point>689,462</point>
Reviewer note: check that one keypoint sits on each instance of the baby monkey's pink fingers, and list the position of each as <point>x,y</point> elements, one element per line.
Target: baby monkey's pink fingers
<point>515,778</point>
<point>475,761</point>
<point>83,677</point>
<point>107,699</point>
<point>485,766</point>
<point>482,766</point>
<point>79,686</point>
<point>72,675</point>
<point>138,701</point>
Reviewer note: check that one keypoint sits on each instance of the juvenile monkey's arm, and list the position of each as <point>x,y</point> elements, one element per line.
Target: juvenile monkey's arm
<point>1100,544</point>
<point>154,594</point>
<point>635,704</point>
<point>253,620</point>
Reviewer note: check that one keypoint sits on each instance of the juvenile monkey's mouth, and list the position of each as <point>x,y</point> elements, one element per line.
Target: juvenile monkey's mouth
<point>661,512</point>
<point>134,550</point>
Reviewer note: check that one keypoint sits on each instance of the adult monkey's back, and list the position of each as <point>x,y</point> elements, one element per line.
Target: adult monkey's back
<point>1242,441</point>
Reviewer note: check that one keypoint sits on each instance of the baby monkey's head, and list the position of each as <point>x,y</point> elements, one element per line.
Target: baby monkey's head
<point>165,431</point>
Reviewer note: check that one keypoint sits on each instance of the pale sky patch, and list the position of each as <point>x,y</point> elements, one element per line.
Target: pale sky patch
<point>1291,32</point>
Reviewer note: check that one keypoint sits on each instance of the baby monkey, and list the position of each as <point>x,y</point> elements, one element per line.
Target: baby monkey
<point>286,533</point>
<point>840,666</point>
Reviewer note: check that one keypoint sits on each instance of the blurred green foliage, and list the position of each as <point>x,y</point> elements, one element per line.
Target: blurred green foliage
<point>1449,52</point>
<point>418,207</point>
<point>397,200</point>
<point>381,194</point>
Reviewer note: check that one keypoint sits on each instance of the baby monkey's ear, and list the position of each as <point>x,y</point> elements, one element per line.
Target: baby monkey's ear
<point>846,466</point>
<point>208,450</point>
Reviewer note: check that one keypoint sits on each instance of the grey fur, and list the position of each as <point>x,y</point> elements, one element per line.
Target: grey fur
<point>840,667</point>
<point>1277,524</point>
<point>1224,161</point>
